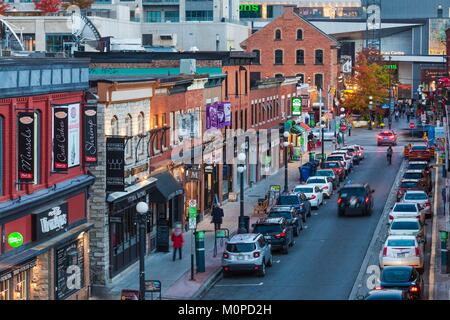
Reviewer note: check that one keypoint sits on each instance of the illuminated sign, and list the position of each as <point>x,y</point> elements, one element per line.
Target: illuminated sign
<point>249,8</point>
<point>391,66</point>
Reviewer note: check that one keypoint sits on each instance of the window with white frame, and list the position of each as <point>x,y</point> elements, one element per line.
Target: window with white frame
<point>114,126</point>
<point>129,133</point>
<point>141,123</point>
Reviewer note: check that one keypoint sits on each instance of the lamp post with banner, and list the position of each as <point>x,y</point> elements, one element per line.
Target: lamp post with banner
<point>142,217</point>
<point>370,112</point>
<point>192,227</point>
<point>242,219</point>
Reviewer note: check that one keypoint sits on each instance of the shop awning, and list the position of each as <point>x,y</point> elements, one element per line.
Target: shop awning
<point>120,195</point>
<point>167,187</point>
<point>297,129</point>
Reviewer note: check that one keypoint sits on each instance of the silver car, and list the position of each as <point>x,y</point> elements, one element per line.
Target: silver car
<point>421,198</point>
<point>402,251</point>
<point>247,252</point>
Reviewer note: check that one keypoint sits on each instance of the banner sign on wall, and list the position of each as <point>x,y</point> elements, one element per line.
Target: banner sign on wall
<point>115,164</point>
<point>26,147</point>
<point>60,139</point>
<point>218,115</point>
<point>74,135</point>
<point>90,134</point>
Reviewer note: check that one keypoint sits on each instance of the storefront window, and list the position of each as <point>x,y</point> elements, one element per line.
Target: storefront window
<point>5,290</point>
<point>21,286</point>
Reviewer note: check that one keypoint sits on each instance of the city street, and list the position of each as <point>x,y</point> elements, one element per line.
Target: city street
<point>328,254</point>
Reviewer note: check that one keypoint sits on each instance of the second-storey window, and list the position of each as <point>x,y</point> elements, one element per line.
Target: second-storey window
<point>129,134</point>
<point>300,56</point>
<point>278,56</point>
<point>318,59</point>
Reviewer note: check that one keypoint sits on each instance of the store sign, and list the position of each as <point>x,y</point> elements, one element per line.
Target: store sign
<point>26,146</point>
<point>60,139</point>
<point>74,135</point>
<point>90,134</point>
<point>50,222</point>
<point>69,275</point>
<point>18,269</point>
<point>115,164</point>
<point>249,8</point>
<point>296,106</point>
<point>15,239</point>
<point>218,115</point>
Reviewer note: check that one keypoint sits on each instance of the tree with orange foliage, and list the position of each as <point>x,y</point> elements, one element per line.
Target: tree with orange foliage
<point>47,6</point>
<point>370,78</point>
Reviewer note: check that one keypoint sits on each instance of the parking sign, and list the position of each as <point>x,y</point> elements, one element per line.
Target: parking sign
<point>192,214</point>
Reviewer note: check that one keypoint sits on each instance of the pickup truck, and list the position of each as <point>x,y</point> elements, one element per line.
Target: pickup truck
<point>420,153</point>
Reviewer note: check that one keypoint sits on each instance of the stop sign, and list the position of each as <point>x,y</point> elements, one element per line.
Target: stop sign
<point>412,125</point>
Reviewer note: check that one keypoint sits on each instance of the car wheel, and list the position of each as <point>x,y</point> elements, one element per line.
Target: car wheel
<point>262,269</point>
<point>226,274</point>
<point>270,262</point>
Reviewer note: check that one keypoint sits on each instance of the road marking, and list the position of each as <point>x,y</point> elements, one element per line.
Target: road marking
<point>240,285</point>
<point>315,214</point>
<point>278,261</point>
<point>433,236</point>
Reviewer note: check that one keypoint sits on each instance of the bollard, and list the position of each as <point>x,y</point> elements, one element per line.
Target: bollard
<point>200,250</point>
<point>444,237</point>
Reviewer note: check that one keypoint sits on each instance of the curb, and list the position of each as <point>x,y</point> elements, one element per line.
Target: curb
<point>376,235</point>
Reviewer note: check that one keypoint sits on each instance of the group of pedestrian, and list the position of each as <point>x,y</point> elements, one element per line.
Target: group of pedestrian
<point>177,233</point>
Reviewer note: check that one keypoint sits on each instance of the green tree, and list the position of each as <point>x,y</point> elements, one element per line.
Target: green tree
<point>370,78</point>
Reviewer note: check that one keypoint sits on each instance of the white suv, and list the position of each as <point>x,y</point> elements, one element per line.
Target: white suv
<point>247,252</point>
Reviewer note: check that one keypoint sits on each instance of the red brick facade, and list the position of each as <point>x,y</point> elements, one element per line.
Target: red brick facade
<point>310,39</point>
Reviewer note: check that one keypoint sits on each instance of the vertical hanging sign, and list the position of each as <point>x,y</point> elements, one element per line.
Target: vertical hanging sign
<point>115,164</point>
<point>60,139</point>
<point>26,146</point>
<point>90,134</point>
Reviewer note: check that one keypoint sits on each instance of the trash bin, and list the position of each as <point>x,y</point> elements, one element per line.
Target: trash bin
<point>244,223</point>
<point>305,171</point>
<point>200,250</point>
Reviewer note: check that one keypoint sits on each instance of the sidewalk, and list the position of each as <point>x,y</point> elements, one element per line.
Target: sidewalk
<point>175,276</point>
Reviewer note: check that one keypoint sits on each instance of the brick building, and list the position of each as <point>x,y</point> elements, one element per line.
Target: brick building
<point>43,181</point>
<point>292,46</point>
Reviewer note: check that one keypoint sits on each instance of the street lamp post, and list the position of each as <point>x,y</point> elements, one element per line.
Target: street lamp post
<point>285,145</point>
<point>241,168</point>
<point>322,158</point>
<point>142,210</point>
<point>370,112</point>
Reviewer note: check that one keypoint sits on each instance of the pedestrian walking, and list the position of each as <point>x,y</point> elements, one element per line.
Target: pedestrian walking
<point>349,129</point>
<point>217,215</point>
<point>178,241</point>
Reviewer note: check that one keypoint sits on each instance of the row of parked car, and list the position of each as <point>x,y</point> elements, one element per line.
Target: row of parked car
<point>402,256</point>
<point>285,220</point>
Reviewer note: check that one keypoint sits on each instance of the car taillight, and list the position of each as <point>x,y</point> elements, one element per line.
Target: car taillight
<point>367,199</point>
<point>226,255</point>
<point>428,204</point>
<point>256,254</point>
<point>313,197</point>
<point>339,201</point>
<point>391,137</point>
<point>418,217</point>
<point>280,235</point>
<point>414,289</point>
<point>384,251</point>
<point>391,217</point>
<point>417,251</point>
<point>325,188</point>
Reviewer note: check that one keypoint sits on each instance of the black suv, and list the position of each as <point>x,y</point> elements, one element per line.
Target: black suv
<point>298,201</point>
<point>277,231</point>
<point>355,198</point>
<point>290,214</point>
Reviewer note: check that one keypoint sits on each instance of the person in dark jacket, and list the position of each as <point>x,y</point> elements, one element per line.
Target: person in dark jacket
<point>217,215</point>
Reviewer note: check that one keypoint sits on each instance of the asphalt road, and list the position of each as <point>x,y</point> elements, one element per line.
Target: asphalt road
<point>327,256</point>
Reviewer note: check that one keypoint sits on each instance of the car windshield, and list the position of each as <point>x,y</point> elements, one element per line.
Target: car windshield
<point>417,166</point>
<point>405,225</point>
<point>419,148</point>
<point>412,175</point>
<point>316,180</point>
<point>288,200</point>
<point>403,207</point>
<point>401,243</point>
<point>416,196</point>
<point>347,192</point>
<point>240,247</point>
<point>267,228</point>
<point>278,214</point>
<point>324,173</point>
<point>408,184</point>
<point>304,190</point>
<point>331,165</point>
<point>396,275</point>
<point>383,296</point>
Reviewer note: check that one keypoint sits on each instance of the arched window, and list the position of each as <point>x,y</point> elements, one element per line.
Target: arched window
<point>301,77</point>
<point>114,126</point>
<point>300,56</point>
<point>141,124</point>
<point>318,56</point>
<point>299,34</point>
<point>129,133</point>
<point>278,34</point>
<point>278,56</point>
<point>257,59</point>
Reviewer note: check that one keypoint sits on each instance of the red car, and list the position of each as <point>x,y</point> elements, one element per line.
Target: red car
<point>387,137</point>
<point>410,184</point>
<point>338,168</point>
<point>419,153</point>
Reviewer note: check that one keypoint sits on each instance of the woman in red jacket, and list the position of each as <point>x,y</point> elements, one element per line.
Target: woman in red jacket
<point>178,241</point>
